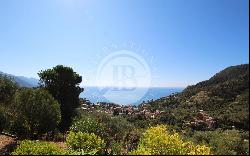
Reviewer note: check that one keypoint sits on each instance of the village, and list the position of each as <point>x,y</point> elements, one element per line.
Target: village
<point>122,110</point>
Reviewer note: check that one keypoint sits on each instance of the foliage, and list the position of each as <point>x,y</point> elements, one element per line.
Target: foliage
<point>236,113</point>
<point>132,139</point>
<point>157,141</point>
<point>7,89</point>
<point>35,112</point>
<point>28,147</point>
<point>85,143</point>
<point>113,130</point>
<point>87,123</point>
<point>229,142</point>
<point>116,127</point>
<point>116,148</point>
<point>225,97</point>
<point>2,119</point>
<point>63,83</point>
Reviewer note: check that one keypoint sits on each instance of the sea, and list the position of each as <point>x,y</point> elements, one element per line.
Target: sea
<point>134,96</point>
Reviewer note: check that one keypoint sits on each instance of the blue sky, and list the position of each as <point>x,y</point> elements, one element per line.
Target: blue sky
<point>189,40</point>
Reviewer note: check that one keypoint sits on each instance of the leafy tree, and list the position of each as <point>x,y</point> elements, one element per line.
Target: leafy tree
<point>7,89</point>
<point>35,112</point>
<point>157,141</point>
<point>63,83</point>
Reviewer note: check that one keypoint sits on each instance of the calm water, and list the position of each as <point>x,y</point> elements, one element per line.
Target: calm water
<point>95,94</point>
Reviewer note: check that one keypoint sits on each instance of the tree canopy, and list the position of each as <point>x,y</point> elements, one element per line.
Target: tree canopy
<point>35,112</point>
<point>63,84</point>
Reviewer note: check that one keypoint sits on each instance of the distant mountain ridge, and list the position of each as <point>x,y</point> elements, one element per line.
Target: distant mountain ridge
<point>23,81</point>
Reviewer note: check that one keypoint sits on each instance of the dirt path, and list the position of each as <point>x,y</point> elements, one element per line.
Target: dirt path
<point>6,144</point>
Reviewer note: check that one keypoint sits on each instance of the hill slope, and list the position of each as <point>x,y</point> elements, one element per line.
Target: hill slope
<point>228,83</point>
<point>225,97</point>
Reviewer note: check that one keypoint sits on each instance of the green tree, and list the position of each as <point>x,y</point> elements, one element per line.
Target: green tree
<point>7,89</point>
<point>35,112</point>
<point>63,83</point>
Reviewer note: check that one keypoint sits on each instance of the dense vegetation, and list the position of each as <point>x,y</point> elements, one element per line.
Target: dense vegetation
<point>157,141</point>
<point>208,118</point>
<point>28,147</point>
<point>34,112</point>
<point>225,97</point>
<point>63,84</point>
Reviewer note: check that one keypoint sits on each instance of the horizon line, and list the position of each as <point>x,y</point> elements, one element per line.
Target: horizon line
<point>134,86</point>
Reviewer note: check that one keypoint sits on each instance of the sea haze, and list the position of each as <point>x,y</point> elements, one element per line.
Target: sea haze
<point>95,94</point>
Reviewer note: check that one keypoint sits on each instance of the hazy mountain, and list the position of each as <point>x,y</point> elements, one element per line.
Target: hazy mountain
<point>23,81</point>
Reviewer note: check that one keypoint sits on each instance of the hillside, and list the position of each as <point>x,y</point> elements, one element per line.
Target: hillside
<point>23,81</point>
<point>228,83</point>
<point>225,97</point>
<point>208,118</point>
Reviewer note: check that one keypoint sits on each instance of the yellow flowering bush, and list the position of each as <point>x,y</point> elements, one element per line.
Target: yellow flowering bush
<point>28,147</point>
<point>157,141</point>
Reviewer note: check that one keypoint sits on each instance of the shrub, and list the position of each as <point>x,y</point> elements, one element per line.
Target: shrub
<point>35,112</point>
<point>28,147</point>
<point>107,127</point>
<point>132,139</point>
<point>7,89</point>
<point>116,148</point>
<point>157,141</point>
<point>2,119</point>
<point>116,128</point>
<point>87,124</point>
<point>229,142</point>
<point>85,143</point>
<point>111,129</point>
